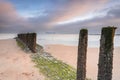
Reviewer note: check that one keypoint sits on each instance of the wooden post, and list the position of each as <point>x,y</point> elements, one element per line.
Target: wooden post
<point>105,65</point>
<point>82,53</point>
<point>34,42</point>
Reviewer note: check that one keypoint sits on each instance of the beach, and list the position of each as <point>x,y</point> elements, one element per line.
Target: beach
<point>15,64</point>
<point>68,54</point>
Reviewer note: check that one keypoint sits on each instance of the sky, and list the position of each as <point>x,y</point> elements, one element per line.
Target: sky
<point>58,16</point>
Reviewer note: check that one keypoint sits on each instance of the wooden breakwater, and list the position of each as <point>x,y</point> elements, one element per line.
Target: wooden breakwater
<point>105,63</point>
<point>29,39</point>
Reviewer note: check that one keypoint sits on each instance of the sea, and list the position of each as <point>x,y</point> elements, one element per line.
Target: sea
<point>72,39</point>
<point>65,39</point>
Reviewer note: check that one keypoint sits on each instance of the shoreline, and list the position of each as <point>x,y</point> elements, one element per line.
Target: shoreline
<point>11,54</point>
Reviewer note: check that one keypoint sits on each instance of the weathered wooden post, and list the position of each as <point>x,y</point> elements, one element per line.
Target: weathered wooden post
<point>20,36</point>
<point>24,38</point>
<point>82,53</point>
<point>34,42</point>
<point>106,54</point>
<point>30,41</point>
<point>27,38</point>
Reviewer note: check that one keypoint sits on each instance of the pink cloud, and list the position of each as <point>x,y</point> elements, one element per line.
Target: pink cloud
<point>7,12</point>
<point>10,19</point>
<point>79,8</point>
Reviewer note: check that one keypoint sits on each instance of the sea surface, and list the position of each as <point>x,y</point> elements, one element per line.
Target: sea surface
<point>72,39</point>
<point>65,39</point>
<point>7,36</point>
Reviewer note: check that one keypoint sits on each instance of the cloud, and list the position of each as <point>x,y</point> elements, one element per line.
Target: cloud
<point>45,19</point>
<point>77,8</point>
<point>9,18</point>
<point>7,12</point>
<point>115,12</point>
<point>11,21</point>
<point>112,18</point>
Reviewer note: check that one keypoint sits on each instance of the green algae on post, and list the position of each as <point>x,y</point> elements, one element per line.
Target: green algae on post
<point>105,65</point>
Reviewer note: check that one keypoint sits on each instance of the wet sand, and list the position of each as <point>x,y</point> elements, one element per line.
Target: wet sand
<point>15,64</point>
<point>68,54</point>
